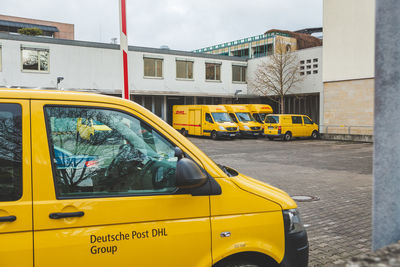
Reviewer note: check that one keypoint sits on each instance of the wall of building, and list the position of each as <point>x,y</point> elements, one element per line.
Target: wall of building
<point>348,66</point>
<point>99,68</point>
<point>66,31</point>
<point>349,39</point>
<point>311,83</point>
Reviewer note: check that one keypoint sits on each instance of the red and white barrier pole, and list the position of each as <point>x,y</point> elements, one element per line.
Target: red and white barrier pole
<point>124,47</point>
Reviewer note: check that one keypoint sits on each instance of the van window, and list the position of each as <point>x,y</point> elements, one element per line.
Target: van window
<point>208,118</point>
<point>233,117</point>
<point>257,117</point>
<point>124,156</point>
<point>307,120</point>
<point>244,116</point>
<point>272,119</point>
<point>10,152</point>
<point>221,117</point>
<point>296,120</point>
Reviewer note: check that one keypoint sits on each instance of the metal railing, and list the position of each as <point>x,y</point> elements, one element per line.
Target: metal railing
<point>346,129</point>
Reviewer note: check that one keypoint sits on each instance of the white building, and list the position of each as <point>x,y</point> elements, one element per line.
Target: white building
<point>158,78</point>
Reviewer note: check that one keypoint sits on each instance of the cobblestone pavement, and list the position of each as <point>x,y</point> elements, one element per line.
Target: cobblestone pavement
<point>338,173</point>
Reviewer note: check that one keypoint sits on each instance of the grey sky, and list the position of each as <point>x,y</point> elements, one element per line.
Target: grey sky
<point>180,24</point>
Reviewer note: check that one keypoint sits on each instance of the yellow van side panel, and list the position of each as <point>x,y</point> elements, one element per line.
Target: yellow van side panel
<point>16,249</point>
<point>139,244</point>
<point>259,232</point>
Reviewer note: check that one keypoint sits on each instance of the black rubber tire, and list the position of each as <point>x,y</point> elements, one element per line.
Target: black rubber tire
<point>315,135</point>
<point>214,135</point>
<point>184,132</point>
<point>287,136</point>
<point>270,138</point>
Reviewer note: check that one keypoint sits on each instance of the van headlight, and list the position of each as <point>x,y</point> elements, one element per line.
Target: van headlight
<point>222,128</point>
<point>246,127</point>
<point>292,221</point>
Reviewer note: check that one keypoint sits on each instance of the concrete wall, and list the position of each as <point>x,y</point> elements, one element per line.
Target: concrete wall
<point>349,39</point>
<point>349,107</point>
<point>91,68</point>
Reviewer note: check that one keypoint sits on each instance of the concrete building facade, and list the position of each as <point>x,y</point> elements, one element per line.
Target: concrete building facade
<point>348,67</point>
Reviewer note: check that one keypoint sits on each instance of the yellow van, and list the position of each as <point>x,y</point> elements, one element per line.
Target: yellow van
<point>153,199</point>
<point>247,124</point>
<point>91,130</point>
<point>288,126</point>
<point>204,120</point>
<point>259,111</point>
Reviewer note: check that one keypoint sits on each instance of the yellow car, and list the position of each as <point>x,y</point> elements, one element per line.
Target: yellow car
<point>91,130</point>
<point>289,126</point>
<point>150,199</point>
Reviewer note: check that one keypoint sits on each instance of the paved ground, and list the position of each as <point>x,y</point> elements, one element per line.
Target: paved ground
<point>339,173</point>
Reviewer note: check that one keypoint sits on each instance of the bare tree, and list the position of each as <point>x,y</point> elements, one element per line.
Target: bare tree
<point>277,75</point>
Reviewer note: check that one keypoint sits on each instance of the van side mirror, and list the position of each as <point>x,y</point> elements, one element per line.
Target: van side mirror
<point>188,174</point>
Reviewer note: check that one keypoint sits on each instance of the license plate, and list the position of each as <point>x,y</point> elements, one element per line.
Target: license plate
<point>270,127</point>
<point>232,135</point>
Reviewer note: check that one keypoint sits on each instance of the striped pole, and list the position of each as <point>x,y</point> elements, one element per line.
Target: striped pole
<point>124,47</point>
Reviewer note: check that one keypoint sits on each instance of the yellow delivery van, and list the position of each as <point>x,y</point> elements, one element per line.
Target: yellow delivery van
<point>259,111</point>
<point>204,120</point>
<point>288,126</point>
<point>91,130</point>
<point>248,126</point>
<point>148,198</point>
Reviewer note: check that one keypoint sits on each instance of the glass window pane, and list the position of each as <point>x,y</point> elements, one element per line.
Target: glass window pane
<point>30,59</point>
<point>44,60</point>
<point>236,73</point>
<point>243,74</point>
<point>116,155</point>
<point>181,69</point>
<point>159,68</point>
<point>190,70</point>
<point>210,71</point>
<point>218,72</point>
<point>10,152</point>
<point>149,67</point>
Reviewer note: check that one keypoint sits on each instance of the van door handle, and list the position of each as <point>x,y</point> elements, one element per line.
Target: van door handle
<point>8,218</point>
<point>61,215</point>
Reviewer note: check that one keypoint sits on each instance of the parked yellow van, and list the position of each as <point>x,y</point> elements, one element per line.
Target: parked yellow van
<point>91,130</point>
<point>288,126</point>
<point>248,126</point>
<point>153,199</point>
<point>259,111</point>
<point>204,120</point>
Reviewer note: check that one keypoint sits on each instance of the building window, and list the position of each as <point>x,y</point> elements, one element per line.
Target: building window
<point>184,69</point>
<point>308,66</point>
<point>301,61</point>
<point>213,71</point>
<point>35,59</point>
<point>308,72</point>
<point>153,67</point>
<point>315,66</point>
<point>238,73</point>
<point>301,67</point>
<point>308,60</point>
<point>315,72</point>
<point>315,60</point>
<point>301,73</point>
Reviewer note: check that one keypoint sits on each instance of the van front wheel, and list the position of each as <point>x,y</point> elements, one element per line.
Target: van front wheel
<point>214,135</point>
<point>287,136</point>
<point>315,135</point>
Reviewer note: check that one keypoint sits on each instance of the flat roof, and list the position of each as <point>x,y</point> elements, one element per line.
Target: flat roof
<point>25,38</point>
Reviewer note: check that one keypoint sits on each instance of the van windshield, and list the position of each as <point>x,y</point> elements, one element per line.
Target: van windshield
<point>260,117</point>
<point>221,117</point>
<point>272,119</point>
<point>244,116</point>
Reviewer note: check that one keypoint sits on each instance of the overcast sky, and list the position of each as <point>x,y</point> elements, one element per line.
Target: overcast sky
<point>180,24</point>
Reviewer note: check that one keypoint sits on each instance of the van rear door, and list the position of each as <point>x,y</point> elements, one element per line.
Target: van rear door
<point>16,245</point>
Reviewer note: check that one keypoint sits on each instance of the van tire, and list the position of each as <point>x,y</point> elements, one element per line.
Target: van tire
<point>184,132</point>
<point>214,135</point>
<point>287,136</point>
<point>315,135</point>
<point>270,138</point>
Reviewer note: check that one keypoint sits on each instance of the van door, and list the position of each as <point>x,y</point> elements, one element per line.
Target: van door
<point>16,244</point>
<point>297,126</point>
<point>112,202</point>
<point>208,124</point>
<point>308,126</point>
<point>195,122</point>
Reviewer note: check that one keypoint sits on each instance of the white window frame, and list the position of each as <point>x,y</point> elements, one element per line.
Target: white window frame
<point>38,49</point>
<point>215,71</point>
<point>187,69</point>
<point>241,73</point>
<point>155,58</point>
